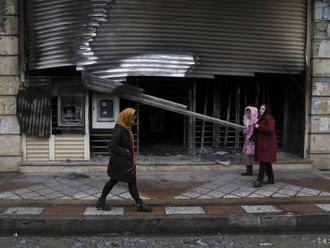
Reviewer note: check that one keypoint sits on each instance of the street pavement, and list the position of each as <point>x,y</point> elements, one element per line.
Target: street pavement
<point>183,201</point>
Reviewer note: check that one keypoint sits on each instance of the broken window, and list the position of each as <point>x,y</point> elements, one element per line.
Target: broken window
<point>68,108</point>
<point>105,110</point>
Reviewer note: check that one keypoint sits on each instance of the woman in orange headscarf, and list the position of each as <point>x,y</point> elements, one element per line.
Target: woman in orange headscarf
<point>122,161</point>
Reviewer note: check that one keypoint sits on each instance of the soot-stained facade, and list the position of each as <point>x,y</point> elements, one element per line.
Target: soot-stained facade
<point>188,67</point>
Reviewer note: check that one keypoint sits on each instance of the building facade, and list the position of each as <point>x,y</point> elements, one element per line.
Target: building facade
<point>10,78</point>
<point>275,54</point>
<point>318,145</point>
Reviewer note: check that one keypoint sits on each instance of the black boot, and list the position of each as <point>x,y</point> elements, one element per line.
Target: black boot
<point>143,207</point>
<point>249,171</point>
<point>101,205</point>
<point>262,169</point>
<point>270,174</point>
<point>257,184</point>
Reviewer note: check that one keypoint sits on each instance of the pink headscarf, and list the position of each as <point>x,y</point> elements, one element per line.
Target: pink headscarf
<point>254,115</point>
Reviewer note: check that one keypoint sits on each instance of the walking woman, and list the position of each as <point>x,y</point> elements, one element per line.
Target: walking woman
<point>249,119</point>
<point>122,165</point>
<point>266,145</point>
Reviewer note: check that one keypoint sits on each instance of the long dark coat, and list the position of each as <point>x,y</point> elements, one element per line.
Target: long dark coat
<point>266,147</point>
<point>121,156</point>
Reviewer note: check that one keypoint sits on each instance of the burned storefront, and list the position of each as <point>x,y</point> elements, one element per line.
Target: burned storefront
<point>188,67</point>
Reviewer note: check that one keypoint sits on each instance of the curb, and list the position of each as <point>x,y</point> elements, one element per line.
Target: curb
<point>174,224</point>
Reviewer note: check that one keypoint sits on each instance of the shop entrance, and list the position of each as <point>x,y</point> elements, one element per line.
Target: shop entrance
<point>161,132</point>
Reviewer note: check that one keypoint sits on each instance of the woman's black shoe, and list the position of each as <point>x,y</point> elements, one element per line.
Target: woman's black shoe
<point>101,205</point>
<point>257,184</point>
<point>249,171</point>
<point>143,207</point>
<point>269,181</point>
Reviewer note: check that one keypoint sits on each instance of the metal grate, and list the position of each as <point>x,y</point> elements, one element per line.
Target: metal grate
<point>34,107</point>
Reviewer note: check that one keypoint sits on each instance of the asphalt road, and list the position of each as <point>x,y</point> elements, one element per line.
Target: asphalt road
<point>130,241</point>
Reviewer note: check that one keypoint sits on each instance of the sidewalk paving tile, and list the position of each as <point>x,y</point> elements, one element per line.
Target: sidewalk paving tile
<point>63,211</point>
<point>210,186</point>
<point>39,197</point>
<point>116,190</point>
<point>223,210</point>
<point>184,210</point>
<point>24,211</point>
<point>292,188</point>
<point>9,196</point>
<point>65,198</point>
<point>54,195</point>
<point>231,196</point>
<point>47,191</point>
<point>60,187</point>
<point>280,195</point>
<point>23,191</point>
<point>264,192</point>
<point>125,195</point>
<point>192,194</point>
<point>287,192</point>
<point>255,196</point>
<point>181,197</point>
<point>310,191</point>
<point>37,187</point>
<point>155,210</point>
<point>303,194</point>
<point>240,193</point>
<point>201,190</point>
<point>90,197</point>
<point>325,207</point>
<point>216,194</point>
<point>205,197</point>
<point>29,195</point>
<point>299,208</point>
<point>115,197</point>
<point>113,211</point>
<point>79,195</point>
<point>261,209</point>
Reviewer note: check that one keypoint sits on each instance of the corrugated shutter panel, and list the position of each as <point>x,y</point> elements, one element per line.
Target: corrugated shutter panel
<point>116,39</point>
<point>37,148</point>
<point>33,107</point>
<point>236,37</point>
<point>69,147</point>
<point>59,31</point>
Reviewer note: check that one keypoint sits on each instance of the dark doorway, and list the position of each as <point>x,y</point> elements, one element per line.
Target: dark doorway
<point>161,132</point>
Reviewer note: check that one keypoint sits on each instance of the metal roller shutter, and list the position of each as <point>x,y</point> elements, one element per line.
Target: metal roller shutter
<point>183,38</point>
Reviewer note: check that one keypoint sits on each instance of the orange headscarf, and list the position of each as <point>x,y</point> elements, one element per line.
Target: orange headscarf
<point>124,120</point>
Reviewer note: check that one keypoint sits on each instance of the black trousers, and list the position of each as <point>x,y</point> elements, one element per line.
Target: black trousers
<point>265,167</point>
<point>131,187</point>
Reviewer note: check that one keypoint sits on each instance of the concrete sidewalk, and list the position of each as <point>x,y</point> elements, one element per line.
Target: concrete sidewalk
<point>184,202</point>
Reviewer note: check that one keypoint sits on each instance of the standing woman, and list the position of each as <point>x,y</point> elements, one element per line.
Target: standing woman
<point>122,165</point>
<point>249,119</point>
<point>266,145</point>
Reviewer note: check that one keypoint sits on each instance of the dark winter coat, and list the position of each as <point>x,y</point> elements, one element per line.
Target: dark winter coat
<point>121,156</point>
<point>266,143</point>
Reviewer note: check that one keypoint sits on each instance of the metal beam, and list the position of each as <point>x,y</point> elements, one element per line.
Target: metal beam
<point>134,94</point>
